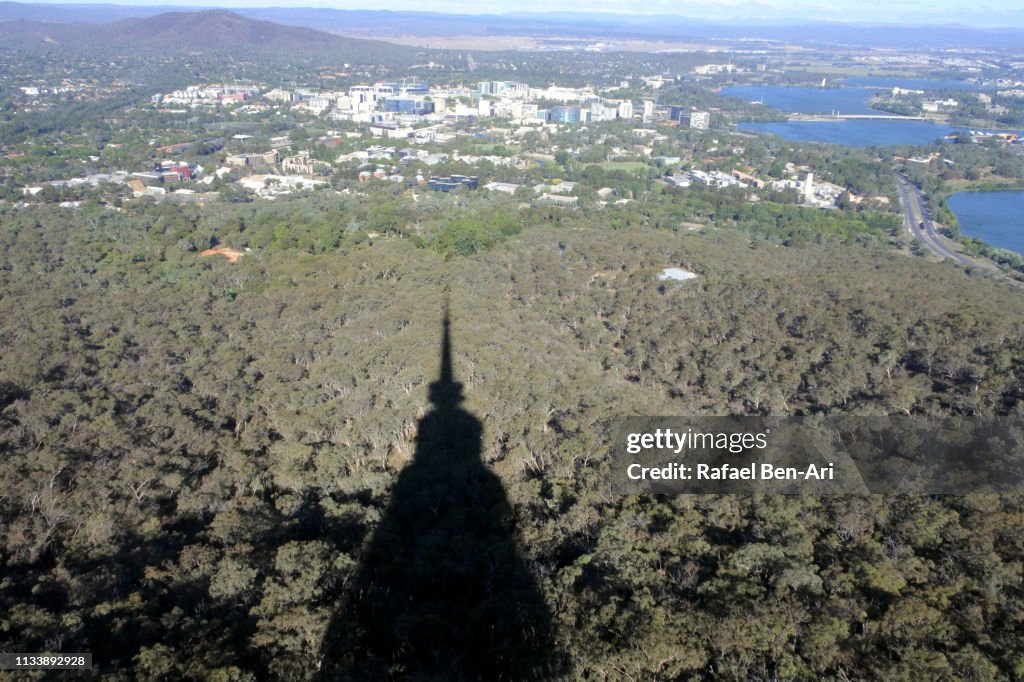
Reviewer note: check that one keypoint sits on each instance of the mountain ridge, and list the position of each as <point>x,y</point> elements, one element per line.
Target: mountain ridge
<point>213,31</point>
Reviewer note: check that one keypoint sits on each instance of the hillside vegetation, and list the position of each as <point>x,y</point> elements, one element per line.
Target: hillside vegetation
<point>195,453</point>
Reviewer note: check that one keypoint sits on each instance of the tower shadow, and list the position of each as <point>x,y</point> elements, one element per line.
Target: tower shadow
<point>442,592</point>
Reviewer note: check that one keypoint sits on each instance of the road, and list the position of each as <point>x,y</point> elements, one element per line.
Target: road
<point>915,216</point>
<point>854,117</point>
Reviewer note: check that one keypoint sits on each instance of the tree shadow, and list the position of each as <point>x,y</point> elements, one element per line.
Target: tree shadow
<point>442,591</point>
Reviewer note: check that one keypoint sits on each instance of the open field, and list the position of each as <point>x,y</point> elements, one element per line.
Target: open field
<point>623,165</point>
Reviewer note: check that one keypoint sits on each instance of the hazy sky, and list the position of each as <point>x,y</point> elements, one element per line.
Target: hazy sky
<point>993,13</point>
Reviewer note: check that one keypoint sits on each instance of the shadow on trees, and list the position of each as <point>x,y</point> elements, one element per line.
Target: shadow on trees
<point>142,594</point>
<point>441,591</point>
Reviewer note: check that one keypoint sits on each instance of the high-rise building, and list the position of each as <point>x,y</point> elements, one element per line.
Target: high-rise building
<point>361,94</point>
<point>409,105</point>
<point>625,110</point>
<point>503,88</point>
<point>564,114</point>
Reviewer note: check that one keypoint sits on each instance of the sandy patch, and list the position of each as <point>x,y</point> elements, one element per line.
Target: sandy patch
<point>231,254</point>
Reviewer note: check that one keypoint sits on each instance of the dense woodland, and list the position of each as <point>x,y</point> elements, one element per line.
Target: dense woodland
<point>197,455</point>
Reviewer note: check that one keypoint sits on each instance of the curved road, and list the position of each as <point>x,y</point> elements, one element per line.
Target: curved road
<point>914,217</point>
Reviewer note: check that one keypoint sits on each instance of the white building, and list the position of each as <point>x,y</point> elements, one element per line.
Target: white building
<point>303,164</point>
<point>317,105</point>
<point>361,94</point>
<point>506,187</point>
<point>679,180</point>
<point>699,120</point>
<point>714,178</point>
<point>279,95</point>
<point>707,69</point>
<point>933,105</point>
<point>897,91</point>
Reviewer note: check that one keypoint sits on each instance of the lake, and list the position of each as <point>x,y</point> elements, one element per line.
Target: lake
<point>796,100</point>
<point>855,133</point>
<point>996,218</point>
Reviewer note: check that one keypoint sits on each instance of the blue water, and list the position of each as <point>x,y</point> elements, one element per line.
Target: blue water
<point>797,100</point>
<point>993,217</point>
<point>855,133</point>
<point>865,133</point>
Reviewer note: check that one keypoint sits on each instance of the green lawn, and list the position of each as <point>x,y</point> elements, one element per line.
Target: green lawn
<point>623,165</point>
<point>487,148</point>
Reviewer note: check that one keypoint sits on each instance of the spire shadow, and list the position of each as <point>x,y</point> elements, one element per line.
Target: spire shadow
<point>442,592</point>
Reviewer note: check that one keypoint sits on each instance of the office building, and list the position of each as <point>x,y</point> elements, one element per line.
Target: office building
<point>408,105</point>
<point>565,114</point>
<point>447,184</point>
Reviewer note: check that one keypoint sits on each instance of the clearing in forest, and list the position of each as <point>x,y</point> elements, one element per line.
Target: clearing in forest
<point>231,254</point>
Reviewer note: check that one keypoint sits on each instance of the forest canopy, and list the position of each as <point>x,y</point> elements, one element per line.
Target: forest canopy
<point>196,452</point>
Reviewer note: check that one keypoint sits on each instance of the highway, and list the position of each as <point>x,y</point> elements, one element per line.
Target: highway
<point>915,216</point>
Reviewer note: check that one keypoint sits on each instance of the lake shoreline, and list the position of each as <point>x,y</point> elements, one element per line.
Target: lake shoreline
<point>807,103</point>
<point>991,223</point>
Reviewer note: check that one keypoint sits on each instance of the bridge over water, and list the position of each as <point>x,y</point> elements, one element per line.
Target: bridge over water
<point>859,117</point>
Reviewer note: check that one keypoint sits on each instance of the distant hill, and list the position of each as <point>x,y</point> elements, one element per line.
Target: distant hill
<point>387,24</point>
<point>21,33</point>
<point>212,31</point>
<point>218,30</point>
<point>76,14</point>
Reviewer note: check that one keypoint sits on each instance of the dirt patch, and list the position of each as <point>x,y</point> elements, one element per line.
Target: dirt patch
<point>231,254</point>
